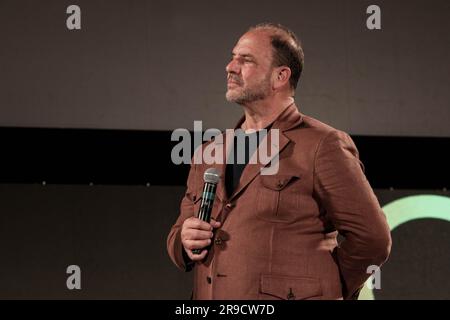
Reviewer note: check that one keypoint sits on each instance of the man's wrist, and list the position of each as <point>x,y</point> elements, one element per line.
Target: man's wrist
<point>189,264</point>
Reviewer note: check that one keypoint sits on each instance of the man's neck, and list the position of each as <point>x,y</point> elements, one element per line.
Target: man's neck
<point>259,114</point>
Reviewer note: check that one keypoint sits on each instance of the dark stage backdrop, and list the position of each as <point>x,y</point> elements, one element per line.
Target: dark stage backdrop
<point>117,234</point>
<point>160,64</point>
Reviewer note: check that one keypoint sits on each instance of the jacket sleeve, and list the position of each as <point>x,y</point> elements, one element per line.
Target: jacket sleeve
<point>174,246</point>
<point>353,208</point>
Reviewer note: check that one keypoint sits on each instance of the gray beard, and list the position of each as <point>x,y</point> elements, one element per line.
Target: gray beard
<point>250,95</point>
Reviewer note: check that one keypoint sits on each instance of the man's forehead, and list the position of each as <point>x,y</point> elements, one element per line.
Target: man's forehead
<point>252,44</point>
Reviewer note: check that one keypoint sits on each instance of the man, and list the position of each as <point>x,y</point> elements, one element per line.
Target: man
<point>272,236</point>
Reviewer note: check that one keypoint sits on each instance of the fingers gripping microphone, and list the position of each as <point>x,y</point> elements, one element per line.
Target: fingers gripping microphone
<point>211,177</point>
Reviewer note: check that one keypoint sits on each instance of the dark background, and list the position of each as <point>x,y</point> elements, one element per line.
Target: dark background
<point>117,234</point>
<point>160,65</point>
<point>86,118</point>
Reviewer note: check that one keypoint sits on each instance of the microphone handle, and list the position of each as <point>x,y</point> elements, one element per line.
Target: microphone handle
<point>206,205</point>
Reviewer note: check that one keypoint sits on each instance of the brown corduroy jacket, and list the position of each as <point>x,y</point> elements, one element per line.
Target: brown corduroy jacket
<point>274,241</point>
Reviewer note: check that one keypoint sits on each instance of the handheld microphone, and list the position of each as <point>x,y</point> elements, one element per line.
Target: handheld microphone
<point>211,177</point>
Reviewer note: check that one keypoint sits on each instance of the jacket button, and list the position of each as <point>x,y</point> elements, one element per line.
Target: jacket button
<point>280,185</point>
<point>218,241</point>
<point>209,280</point>
<point>230,205</point>
<point>290,295</point>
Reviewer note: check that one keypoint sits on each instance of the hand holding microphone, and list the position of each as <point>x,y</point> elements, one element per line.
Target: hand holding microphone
<point>196,232</point>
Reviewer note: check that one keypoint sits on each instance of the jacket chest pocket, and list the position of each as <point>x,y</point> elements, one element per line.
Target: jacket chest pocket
<point>277,197</point>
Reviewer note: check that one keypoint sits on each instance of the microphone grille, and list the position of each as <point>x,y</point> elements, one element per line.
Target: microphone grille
<point>211,175</point>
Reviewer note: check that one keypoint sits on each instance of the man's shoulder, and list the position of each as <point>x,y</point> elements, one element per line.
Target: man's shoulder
<point>316,125</point>
<point>313,129</point>
<point>312,134</point>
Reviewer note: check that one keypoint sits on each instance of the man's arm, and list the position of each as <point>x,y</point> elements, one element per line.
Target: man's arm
<point>350,203</point>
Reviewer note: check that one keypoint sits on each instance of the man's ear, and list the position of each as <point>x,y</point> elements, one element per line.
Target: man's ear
<point>282,76</point>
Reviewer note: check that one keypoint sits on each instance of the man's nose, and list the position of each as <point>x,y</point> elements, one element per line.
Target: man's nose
<point>232,67</point>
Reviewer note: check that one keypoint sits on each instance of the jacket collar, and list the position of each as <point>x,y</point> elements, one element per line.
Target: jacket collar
<point>289,118</point>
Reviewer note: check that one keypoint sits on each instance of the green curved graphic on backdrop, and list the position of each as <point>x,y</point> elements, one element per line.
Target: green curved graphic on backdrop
<point>410,208</point>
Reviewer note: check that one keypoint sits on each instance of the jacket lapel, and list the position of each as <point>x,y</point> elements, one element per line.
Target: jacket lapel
<point>220,146</point>
<point>255,166</point>
<point>288,119</point>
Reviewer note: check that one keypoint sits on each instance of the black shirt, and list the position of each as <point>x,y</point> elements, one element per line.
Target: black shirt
<point>240,156</point>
